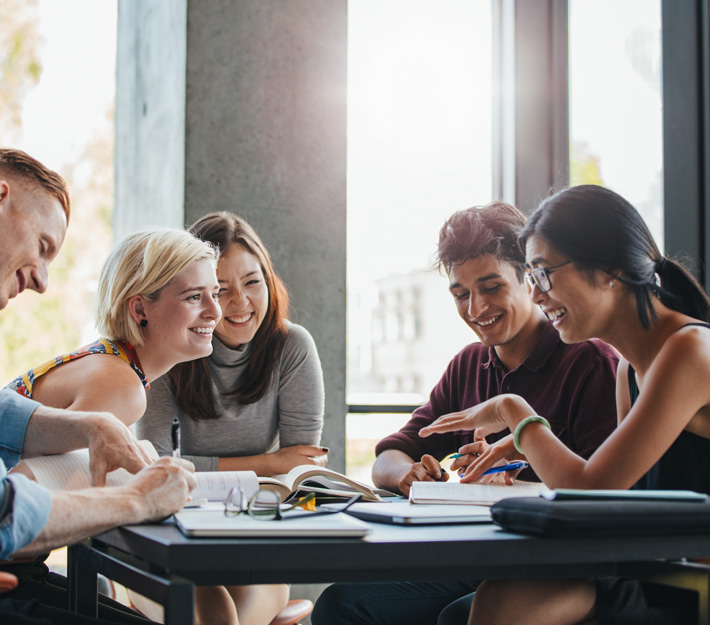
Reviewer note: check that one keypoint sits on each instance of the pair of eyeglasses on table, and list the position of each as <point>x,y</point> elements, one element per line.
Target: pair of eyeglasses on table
<point>265,505</point>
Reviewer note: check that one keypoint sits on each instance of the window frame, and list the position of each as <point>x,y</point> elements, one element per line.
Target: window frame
<point>540,125</point>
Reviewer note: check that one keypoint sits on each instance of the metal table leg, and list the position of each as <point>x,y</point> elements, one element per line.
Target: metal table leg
<point>681,574</point>
<point>174,593</point>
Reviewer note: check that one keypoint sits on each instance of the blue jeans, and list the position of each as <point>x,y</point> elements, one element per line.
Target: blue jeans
<point>395,603</point>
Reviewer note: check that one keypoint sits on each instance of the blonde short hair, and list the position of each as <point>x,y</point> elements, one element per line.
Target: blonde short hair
<point>143,264</point>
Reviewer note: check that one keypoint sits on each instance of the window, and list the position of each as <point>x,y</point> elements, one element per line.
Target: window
<point>419,148</point>
<point>616,125</point>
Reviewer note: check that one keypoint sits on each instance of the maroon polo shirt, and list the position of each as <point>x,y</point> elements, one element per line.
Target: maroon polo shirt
<point>572,386</point>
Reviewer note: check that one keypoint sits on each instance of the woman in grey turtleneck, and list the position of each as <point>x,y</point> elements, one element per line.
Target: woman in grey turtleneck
<point>257,402</point>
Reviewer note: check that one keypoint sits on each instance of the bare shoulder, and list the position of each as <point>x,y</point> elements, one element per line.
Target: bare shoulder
<point>100,382</point>
<point>683,363</point>
<point>683,369</point>
<point>690,343</point>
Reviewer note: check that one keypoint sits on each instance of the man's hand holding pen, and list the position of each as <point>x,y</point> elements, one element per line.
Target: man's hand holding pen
<point>427,469</point>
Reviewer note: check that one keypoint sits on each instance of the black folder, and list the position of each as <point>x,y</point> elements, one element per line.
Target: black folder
<point>574,518</point>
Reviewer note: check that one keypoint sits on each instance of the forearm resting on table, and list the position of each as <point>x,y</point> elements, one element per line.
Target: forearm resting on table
<point>156,492</point>
<point>389,469</point>
<point>278,462</point>
<point>261,464</point>
<point>78,514</point>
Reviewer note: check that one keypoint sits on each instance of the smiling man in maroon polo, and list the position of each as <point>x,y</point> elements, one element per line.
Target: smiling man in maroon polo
<point>518,351</point>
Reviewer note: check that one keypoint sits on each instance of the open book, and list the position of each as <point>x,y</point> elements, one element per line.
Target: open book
<point>478,494</point>
<point>70,471</point>
<point>326,483</point>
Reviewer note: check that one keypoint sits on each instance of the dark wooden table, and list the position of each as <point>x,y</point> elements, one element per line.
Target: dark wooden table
<point>159,562</point>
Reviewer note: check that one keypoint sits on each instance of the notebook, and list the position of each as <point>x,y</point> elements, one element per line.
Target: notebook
<point>467,494</point>
<point>651,495</point>
<point>405,513</point>
<point>211,523</point>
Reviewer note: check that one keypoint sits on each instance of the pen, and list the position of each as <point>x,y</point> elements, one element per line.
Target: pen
<point>175,436</point>
<point>454,456</point>
<point>513,466</point>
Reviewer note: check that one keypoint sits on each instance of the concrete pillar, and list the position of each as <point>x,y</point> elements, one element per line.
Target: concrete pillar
<point>150,115</point>
<point>240,105</point>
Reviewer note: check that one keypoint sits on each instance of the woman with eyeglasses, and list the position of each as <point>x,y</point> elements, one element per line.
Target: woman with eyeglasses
<point>595,271</point>
<point>257,402</point>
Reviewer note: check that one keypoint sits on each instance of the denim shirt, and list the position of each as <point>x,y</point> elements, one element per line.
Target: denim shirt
<point>27,503</point>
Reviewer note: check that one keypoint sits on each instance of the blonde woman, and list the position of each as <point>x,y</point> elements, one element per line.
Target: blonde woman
<point>157,306</point>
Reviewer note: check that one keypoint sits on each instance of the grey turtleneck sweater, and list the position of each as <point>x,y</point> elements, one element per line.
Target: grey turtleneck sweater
<point>290,412</point>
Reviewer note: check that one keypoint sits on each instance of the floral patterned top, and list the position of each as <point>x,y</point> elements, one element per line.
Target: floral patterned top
<point>123,349</point>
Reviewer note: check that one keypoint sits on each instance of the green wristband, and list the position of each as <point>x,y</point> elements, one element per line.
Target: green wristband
<point>523,423</point>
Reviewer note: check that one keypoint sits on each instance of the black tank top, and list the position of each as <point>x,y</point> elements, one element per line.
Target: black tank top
<point>686,464</point>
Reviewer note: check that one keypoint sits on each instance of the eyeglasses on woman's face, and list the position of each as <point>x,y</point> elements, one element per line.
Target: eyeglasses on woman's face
<point>540,277</point>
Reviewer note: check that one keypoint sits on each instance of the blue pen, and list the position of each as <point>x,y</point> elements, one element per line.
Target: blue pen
<point>454,456</point>
<point>513,466</point>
